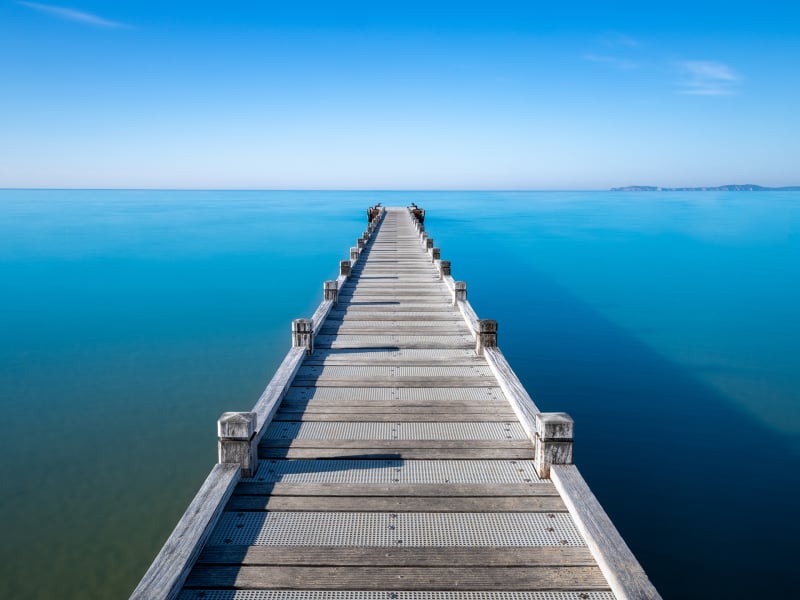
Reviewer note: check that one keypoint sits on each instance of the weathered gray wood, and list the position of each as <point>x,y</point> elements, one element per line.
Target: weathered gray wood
<point>397,490</point>
<point>400,453</point>
<point>236,444</point>
<point>270,398</point>
<point>164,578</point>
<point>485,335</point>
<point>395,504</point>
<point>393,578</point>
<point>430,556</point>
<point>553,441</point>
<point>356,415</point>
<point>303,334</point>
<point>620,567</point>
<point>513,390</point>
<point>331,291</point>
<point>344,268</point>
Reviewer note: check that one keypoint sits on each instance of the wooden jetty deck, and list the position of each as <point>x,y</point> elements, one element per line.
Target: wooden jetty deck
<point>395,455</point>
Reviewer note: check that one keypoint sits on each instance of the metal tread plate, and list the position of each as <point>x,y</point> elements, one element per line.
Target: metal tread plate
<point>394,470</point>
<point>525,529</point>
<point>348,430</point>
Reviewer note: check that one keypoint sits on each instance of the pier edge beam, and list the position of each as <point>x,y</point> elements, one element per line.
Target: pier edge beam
<point>444,269</point>
<point>331,288</point>
<point>553,445</point>
<point>344,268</point>
<point>486,336</point>
<point>236,443</point>
<point>459,292</point>
<point>303,335</point>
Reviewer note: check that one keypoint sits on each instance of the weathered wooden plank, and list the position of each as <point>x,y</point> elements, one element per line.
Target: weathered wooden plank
<point>398,490</point>
<point>356,415</point>
<point>390,445</point>
<point>401,382</point>
<point>267,405</point>
<point>164,578</point>
<point>441,556</point>
<point>515,453</point>
<point>398,504</point>
<point>513,389</point>
<point>398,578</point>
<point>624,573</point>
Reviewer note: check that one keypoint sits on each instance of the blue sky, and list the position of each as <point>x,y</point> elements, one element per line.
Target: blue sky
<point>398,95</point>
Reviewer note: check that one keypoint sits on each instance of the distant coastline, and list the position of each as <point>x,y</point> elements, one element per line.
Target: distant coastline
<point>746,187</point>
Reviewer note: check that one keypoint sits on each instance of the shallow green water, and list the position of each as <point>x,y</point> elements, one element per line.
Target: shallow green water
<point>666,324</point>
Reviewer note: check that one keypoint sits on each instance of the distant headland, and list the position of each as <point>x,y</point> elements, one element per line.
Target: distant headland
<point>746,187</point>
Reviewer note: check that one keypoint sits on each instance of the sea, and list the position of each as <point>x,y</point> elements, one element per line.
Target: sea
<point>666,323</point>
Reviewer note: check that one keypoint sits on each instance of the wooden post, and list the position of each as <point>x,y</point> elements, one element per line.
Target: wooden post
<point>236,432</point>
<point>486,335</point>
<point>354,252</point>
<point>444,268</point>
<point>459,292</point>
<point>436,254</point>
<point>361,243</point>
<point>424,237</point>
<point>428,243</point>
<point>553,445</point>
<point>365,235</point>
<point>303,335</point>
<point>332,290</point>
<point>344,268</point>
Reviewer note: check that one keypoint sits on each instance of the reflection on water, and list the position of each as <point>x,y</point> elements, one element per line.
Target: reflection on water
<point>665,323</point>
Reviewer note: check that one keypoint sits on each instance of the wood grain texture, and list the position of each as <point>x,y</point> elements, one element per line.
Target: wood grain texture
<point>397,578</point>
<point>624,573</point>
<point>164,578</point>
<point>267,405</point>
<point>399,490</point>
<point>428,556</point>
<point>398,504</point>
<point>514,391</point>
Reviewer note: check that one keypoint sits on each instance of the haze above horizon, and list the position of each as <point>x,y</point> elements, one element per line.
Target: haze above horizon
<point>142,94</point>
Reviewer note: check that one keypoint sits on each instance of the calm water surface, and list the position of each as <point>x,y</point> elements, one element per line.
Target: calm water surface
<point>666,324</point>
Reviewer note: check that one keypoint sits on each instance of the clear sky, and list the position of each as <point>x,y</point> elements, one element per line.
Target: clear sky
<point>562,94</point>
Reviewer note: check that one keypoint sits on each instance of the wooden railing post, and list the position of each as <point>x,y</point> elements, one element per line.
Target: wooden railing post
<point>360,243</point>
<point>428,243</point>
<point>444,268</point>
<point>332,290</point>
<point>553,445</point>
<point>486,336</point>
<point>436,254</point>
<point>459,292</point>
<point>303,335</point>
<point>344,268</point>
<point>236,432</point>
<point>354,254</point>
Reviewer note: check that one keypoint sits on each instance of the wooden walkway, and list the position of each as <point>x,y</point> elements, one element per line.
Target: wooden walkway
<point>401,459</point>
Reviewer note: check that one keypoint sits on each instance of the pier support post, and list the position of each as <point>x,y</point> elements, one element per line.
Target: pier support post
<point>459,292</point>
<point>344,268</point>
<point>428,243</point>
<point>354,252</point>
<point>553,445</point>
<point>424,237</point>
<point>436,254</point>
<point>303,335</point>
<point>360,243</point>
<point>486,335</point>
<point>444,268</point>
<point>332,291</point>
<point>236,432</point>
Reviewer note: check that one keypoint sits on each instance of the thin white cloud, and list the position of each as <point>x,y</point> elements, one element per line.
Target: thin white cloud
<point>613,61</point>
<point>708,78</point>
<point>616,40</point>
<point>70,14</point>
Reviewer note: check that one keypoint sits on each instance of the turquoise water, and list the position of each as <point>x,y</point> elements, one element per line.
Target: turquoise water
<point>666,324</point>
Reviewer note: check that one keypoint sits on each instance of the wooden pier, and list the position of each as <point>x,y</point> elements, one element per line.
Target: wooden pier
<point>395,455</point>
